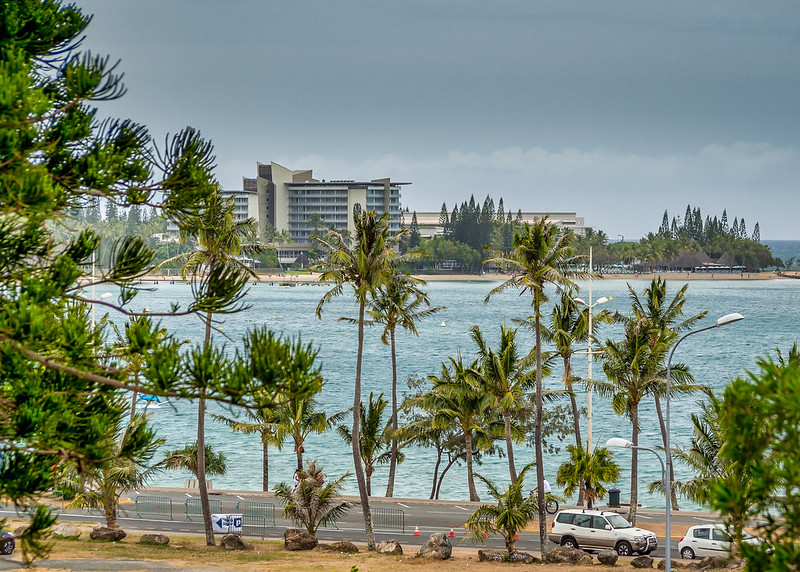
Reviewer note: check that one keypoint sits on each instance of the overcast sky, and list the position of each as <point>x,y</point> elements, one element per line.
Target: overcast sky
<point>615,110</point>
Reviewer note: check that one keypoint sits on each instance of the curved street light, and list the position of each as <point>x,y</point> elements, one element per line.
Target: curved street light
<point>722,321</point>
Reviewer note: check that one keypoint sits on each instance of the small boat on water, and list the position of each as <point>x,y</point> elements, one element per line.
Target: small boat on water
<point>151,401</point>
<point>287,285</point>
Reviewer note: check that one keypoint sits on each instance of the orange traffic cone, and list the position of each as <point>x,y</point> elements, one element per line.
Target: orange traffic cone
<point>485,535</point>
<point>516,537</point>
<point>416,530</point>
<point>452,532</point>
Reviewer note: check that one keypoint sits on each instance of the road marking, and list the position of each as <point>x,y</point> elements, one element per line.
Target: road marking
<point>638,515</point>
<point>706,519</point>
<point>461,507</point>
<point>403,505</point>
<point>188,495</point>
<point>240,498</point>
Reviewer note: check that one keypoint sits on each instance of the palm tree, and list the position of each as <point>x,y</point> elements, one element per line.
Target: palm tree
<point>262,421</point>
<point>220,240</point>
<point>587,472</point>
<point>541,256</point>
<point>313,503</point>
<point>187,458</point>
<point>366,262</point>
<point>399,302</point>
<point>298,418</point>
<point>514,510</point>
<point>420,431</point>
<point>375,445</point>
<point>703,456</point>
<point>456,400</point>
<point>569,323</point>
<point>135,445</point>
<point>665,321</point>
<point>633,368</point>
<point>506,377</point>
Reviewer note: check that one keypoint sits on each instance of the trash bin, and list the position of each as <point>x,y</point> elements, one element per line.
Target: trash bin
<point>613,498</point>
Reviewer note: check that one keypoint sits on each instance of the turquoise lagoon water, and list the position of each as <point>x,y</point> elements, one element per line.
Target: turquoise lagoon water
<point>715,357</point>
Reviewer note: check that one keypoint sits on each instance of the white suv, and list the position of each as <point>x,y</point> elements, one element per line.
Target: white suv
<point>595,529</point>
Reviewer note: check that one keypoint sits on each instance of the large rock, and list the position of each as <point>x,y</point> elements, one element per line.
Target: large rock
<point>154,539</point>
<point>713,562</point>
<point>586,560</point>
<point>642,562</point>
<point>109,534</point>
<point>662,564</point>
<point>235,542</point>
<point>344,546</point>
<point>607,557</point>
<point>296,539</point>
<point>66,532</point>
<point>436,548</point>
<point>564,555</point>
<point>389,547</point>
<point>491,555</point>
<point>522,558</point>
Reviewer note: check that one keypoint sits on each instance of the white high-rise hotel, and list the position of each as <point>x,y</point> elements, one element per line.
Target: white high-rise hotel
<point>287,200</point>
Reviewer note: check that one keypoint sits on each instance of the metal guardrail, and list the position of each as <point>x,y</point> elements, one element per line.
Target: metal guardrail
<point>195,509</point>
<point>256,517</point>
<point>391,518</point>
<point>153,506</point>
<point>259,509</point>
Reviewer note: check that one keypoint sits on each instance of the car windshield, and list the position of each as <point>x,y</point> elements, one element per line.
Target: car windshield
<point>618,521</point>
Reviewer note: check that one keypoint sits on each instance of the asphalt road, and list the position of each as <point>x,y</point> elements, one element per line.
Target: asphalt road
<point>428,517</point>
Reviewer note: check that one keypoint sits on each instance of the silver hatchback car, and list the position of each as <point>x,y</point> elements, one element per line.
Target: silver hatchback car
<point>594,529</point>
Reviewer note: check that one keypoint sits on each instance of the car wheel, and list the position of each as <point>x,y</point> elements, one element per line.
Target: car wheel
<point>687,553</point>
<point>569,542</point>
<point>7,546</point>
<point>645,552</point>
<point>624,548</point>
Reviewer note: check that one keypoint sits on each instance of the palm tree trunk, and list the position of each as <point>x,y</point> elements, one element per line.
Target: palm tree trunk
<point>538,425</point>
<point>473,492</point>
<point>359,469</point>
<point>264,465</point>
<point>634,464</point>
<point>368,476</point>
<point>201,454</point>
<point>451,461</point>
<point>201,473</point>
<point>668,454</point>
<point>512,470</point>
<point>436,471</point>
<point>110,508</point>
<point>576,420</point>
<point>298,451</point>
<point>393,459</point>
<point>511,545</point>
<point>575,417</point>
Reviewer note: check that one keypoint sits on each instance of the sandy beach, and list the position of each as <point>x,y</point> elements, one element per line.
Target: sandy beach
<point>288,279</point>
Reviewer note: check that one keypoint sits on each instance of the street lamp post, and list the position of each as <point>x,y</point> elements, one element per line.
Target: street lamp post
<point>589,305</point>
<point>723,321</point>
<point>625,444</point>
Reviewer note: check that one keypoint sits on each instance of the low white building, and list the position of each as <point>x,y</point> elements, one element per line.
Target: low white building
<point>429,225</point>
